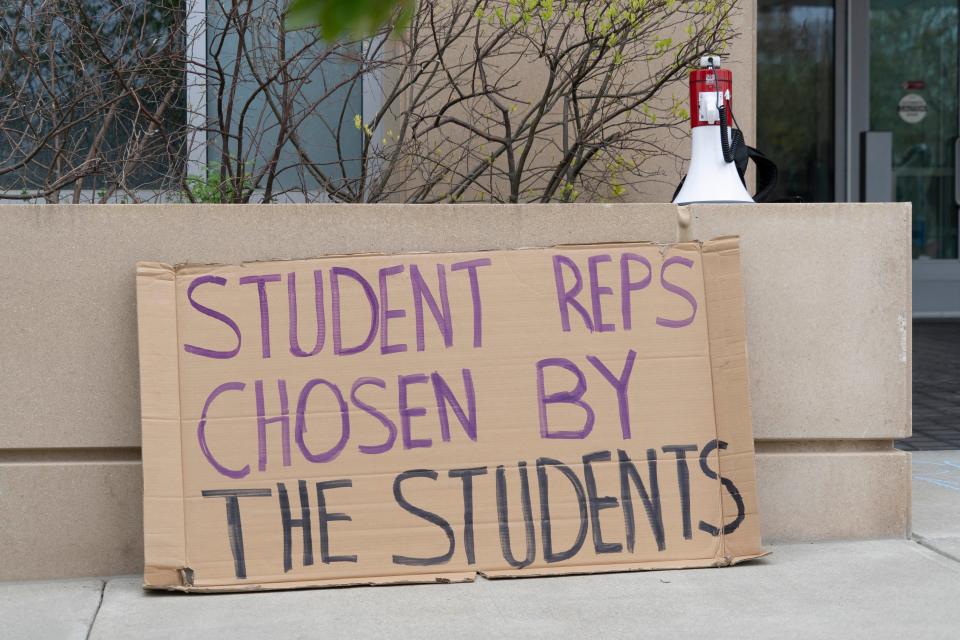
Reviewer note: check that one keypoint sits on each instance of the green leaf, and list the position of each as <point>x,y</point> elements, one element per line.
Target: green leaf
<point>337,19</point>
<point>662,45</point>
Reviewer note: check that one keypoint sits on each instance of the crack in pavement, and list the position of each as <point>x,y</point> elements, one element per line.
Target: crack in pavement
<point>93,620</point>
<point>929,544</point>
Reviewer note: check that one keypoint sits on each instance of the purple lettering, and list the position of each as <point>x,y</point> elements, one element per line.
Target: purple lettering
<point>567,397</point>
<point>441,313</point>
<point>335,274</point>
<point>376,413</point>
<point>446,397</point>
<point>216,315</point>
<point>202,432</point>
<point>407,412</point>
<point>263,421</point>
<point>335,450</point>
<point>261,282</point>
<point>596,291</point>
<point>627,285</point>
<point>619,385</point>
<point>386,313</point>
<point>318,305</point>
<point>471,266</point>
<point>568,297</point>
<point>683,293</point>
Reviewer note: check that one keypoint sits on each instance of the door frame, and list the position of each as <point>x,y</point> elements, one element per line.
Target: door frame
<point>933,279</point>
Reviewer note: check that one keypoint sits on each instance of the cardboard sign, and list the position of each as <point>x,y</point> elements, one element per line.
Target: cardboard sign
<point>409,418</point>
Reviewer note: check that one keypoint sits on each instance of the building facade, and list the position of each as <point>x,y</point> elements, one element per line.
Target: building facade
<point>70,457</point>
<point>857,101</point>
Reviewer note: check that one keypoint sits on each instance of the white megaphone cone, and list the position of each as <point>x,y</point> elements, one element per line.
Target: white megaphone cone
<point>712,176</point>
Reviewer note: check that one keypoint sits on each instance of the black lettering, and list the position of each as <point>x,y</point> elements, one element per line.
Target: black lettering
<point>324,518</point>
<point>683,479</point>
<point>545,527</point>
<point>289,523</point>
<point>598,503</point>
<point>504,517</point>
<point>429,516</point>
<point>466,477</point>
<point>234,525</point>
<point>731,488</point>
<point>651,501</point>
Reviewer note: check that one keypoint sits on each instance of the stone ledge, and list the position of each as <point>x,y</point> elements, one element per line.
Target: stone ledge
<point>809,497</point>
<point>828,332</point>
<point>828,313</point>
<point>85,518</point>
<point>72,519</point>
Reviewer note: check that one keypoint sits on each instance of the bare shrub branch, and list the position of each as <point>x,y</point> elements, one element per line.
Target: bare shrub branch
<point>492,100</point>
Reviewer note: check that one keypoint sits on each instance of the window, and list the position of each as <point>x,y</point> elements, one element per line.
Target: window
<point>173,99</point>
<point>795,95</point>
<point>280,106</point>
<point>913,95</point>
<point>91,95</point>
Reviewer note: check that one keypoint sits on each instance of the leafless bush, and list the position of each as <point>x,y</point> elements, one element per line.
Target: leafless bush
<point>91,96</point>
<point>495,100</point>
<point>538,100</point>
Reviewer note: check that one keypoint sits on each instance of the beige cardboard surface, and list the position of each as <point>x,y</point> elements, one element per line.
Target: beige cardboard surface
<point>405,418</point>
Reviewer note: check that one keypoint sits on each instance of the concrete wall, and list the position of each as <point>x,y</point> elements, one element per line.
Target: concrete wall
<point>828,313</point>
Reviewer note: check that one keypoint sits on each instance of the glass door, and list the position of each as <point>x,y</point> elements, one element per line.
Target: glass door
<point>913,80</point>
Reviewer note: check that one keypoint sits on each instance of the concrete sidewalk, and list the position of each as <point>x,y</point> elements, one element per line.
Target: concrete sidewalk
<point>936,501</point>
<point>872,589</point>
<point>877,589</point>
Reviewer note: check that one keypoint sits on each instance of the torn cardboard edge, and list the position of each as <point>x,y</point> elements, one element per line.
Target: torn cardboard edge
<point>458,577</point>
<point>717,282</point>
<point>164,518</point>
<point>198,268</point>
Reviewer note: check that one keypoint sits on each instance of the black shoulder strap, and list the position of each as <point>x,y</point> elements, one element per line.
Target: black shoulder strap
<point>740,154</point>
<point>767,171</point>
<point>677,190</point>
<point>767,174</point>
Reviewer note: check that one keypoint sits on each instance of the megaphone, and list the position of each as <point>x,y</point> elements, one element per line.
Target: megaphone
<point>713,174</point>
